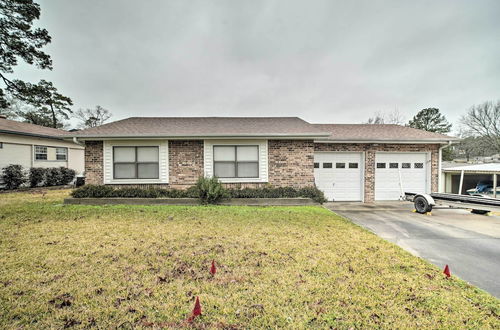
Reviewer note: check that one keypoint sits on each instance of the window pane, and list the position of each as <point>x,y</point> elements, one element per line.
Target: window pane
<point>147,154</point>
<point>406,165</point>
<point>124,171</point>
<point>353,165</point>
<point>224,170</point>
<point>380,165</point>
<point>248,170</point>
<point>316,165</point>
<point>327,165</point>
<point>124,154</point>
<point>339,165</point>
<point>393,165</point>
<point>223,153</point>
<point>147,171</point>
<point>418,165</point>
<point>248,153</point>
<point>61,153</point>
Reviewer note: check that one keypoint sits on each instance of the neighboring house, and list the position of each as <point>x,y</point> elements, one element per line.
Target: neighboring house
<point>469,175</point>
<point>37,146</point>
<point>348,162</point>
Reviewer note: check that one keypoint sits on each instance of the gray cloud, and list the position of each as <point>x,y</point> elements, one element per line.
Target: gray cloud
<point>320,60</point>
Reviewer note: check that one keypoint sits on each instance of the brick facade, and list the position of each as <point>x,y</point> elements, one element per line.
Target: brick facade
<point>185,161</point>
<point>291,163</point>
<point>371,149</point>
<point>94,162</point>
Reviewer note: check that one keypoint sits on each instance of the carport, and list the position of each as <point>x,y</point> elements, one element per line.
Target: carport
<point>461,178</point>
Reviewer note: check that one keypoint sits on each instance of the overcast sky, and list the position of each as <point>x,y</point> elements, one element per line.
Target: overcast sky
<point>324,61</point>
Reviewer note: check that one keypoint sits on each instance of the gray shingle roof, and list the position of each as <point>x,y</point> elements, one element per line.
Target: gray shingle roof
<point>379,132</point>
<point>203,127</point>
<point>15,127</point>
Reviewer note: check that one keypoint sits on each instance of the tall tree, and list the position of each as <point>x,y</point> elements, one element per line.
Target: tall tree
<point>483,120</point>
<point>430,120</point>
<point>92,117</point>
<point>19,40</point>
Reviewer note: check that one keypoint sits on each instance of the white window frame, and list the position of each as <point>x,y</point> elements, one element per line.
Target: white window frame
<point>263,159</point>
<point>136,162</point>
<point>163,166</point>
<point>58,153</point>
<point>45,149</point>
<point>236,161</point>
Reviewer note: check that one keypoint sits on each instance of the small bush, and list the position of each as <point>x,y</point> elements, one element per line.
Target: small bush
<point>13,176</point>
<point>67,175</point>
<point>210,190</point>
<point>37,176</point>
<point>53,177</point>
<point>313,193</point>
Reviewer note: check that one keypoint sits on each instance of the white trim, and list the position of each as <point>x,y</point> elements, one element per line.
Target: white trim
<point>163,165</point>
<point>389,141</point>
<point>263,159</point>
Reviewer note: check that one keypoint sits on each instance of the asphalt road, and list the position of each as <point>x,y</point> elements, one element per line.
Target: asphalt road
<point>468,243</point>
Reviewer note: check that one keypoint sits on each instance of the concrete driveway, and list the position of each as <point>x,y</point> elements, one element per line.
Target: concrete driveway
<point>468,243</point>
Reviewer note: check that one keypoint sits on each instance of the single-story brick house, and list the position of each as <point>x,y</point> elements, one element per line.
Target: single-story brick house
<point>348,162</point>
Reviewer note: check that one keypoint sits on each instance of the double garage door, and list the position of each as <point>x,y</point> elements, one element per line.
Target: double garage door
<point>340,175</point>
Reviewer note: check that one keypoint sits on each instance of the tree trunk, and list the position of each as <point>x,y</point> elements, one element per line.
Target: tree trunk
<point>54,120</point>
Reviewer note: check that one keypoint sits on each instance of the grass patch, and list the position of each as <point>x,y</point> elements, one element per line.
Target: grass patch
<point>143,266</point>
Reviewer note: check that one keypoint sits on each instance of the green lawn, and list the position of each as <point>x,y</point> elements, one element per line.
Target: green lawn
<point>143,266</point>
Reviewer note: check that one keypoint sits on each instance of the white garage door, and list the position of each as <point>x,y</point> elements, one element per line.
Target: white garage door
<point>389,167</point>
<point>338,175</point>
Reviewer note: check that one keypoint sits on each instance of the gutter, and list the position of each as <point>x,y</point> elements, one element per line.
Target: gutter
<point>194,137</point>
<point>447,142</point>
<point>60,137</point>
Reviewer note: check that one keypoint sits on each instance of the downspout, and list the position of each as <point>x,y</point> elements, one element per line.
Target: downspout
<point>440,166</point>
<point>75,140</point>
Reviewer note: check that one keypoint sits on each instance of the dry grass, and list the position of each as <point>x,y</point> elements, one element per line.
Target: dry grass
<point>138,266</point>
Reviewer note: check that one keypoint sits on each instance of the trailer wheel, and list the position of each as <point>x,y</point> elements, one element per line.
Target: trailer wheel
<point>421,205</point>
<point>479,211</point>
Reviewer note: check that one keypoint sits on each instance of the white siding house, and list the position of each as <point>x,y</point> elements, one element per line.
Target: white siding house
<point>36,146</point>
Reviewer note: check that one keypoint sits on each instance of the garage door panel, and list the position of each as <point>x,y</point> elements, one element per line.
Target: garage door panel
<point>392,168</point>
<point>338,175</point>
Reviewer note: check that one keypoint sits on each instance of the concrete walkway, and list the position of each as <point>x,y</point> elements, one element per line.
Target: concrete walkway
<point>469,243</point>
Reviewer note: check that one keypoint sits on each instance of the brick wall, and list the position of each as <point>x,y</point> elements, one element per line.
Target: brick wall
<point>94,162</point>
<point>371,149</point>
<point>185,159</point>
<point>291,163</point>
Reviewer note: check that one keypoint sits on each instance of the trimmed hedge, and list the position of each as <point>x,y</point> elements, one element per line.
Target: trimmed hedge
<point>15,176</point>
<point>93,191</point>
<point>279,192</point>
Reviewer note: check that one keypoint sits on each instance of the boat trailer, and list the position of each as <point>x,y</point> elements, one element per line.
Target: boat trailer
<point>479,205</point>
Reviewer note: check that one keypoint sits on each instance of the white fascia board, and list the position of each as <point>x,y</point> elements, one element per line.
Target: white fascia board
<point>389,141</point>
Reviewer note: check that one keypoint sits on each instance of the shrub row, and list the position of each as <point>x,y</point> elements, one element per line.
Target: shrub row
<point>15,176</point>
<point>209,191</point>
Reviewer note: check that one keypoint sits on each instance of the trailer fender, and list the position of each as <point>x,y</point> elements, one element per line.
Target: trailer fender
<point>428,197</point>
<point>423,203</point>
